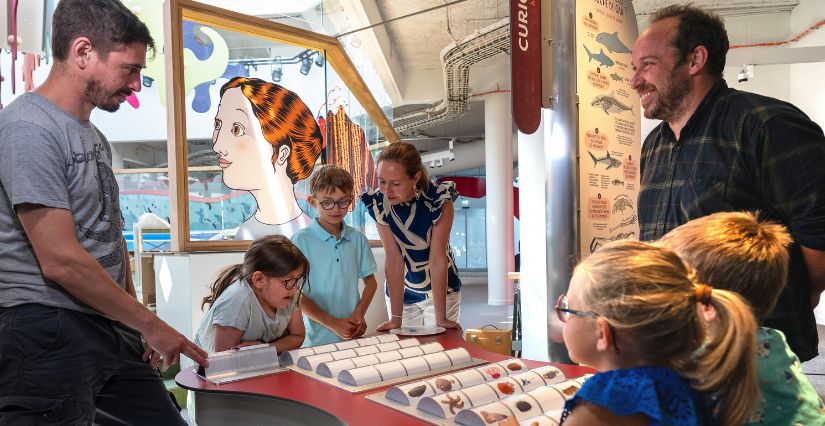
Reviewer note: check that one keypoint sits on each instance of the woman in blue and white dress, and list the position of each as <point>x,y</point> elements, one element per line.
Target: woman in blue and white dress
<point>414,217</point>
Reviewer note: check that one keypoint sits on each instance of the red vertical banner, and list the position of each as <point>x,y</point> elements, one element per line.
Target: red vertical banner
<point>525,63</point>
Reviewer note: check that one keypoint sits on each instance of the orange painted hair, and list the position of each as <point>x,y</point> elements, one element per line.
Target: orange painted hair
<point>285,120</point>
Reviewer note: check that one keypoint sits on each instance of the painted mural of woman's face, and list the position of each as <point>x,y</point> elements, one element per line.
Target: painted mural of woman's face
<point>243,153</point>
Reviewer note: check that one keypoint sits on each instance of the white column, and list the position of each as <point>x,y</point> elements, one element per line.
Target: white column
<point>498,155</point>
<point>117,157</point>
<point>533,281</point>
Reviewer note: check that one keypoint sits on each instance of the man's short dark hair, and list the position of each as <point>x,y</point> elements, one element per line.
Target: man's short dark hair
<point>698,28</point>
<point>108,24</point>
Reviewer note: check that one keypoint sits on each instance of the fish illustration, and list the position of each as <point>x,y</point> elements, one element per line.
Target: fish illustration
<point>616,77</point>
<point>609,103</point>
<point>514,366</point>
<point>612,42</point>
<point>607,160</point>
<point>603,59</point>
<point>618,182</point>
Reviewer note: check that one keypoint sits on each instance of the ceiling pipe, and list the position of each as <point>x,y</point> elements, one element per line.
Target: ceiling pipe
<point>456,60</point>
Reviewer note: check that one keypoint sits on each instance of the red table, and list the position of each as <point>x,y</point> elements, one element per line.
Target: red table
<point>298,397</point>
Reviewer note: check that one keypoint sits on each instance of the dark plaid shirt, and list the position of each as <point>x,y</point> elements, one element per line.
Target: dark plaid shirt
<point>742,151</point>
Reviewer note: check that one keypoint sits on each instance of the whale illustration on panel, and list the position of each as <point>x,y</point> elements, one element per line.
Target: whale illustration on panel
<point>612,42</point>
<point>609,104</point>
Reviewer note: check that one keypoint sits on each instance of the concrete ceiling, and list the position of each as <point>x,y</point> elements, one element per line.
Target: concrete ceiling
<point>406,52</point>
<point>414,45</point>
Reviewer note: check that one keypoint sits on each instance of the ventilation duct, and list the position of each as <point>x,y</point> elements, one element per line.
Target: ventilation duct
<point>456,60</point>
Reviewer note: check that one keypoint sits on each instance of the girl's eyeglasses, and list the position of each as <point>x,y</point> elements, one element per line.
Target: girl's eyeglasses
<point>329,204</point>
<point>564,312</point>
<point>291,283</point>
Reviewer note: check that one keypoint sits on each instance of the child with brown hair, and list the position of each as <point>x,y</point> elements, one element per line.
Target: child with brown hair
<point>736,251</point>
<point>340,255</point>
<point>634,312</point>
<point>257,301</point>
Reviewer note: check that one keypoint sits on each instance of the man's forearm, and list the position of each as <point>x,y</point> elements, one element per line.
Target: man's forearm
<point>83,277</point>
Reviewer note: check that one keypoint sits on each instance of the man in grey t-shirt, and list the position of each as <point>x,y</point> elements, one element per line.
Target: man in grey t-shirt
<point>70,325</point>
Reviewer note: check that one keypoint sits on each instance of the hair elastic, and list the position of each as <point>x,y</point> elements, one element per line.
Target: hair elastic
<point>703,293</point>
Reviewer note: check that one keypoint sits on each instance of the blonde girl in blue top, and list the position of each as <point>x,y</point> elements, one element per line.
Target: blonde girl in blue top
<point>634,313</point>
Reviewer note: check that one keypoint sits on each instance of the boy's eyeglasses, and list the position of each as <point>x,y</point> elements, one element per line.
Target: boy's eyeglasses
<point>329,204</point>
<point>563,312</point>
<point>291,283</point>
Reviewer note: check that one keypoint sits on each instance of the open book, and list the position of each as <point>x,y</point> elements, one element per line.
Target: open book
<point>242,363</point>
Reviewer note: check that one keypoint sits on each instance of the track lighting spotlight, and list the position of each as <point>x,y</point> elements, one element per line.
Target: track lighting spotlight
<point>277,70</point>
<point>306,64</point>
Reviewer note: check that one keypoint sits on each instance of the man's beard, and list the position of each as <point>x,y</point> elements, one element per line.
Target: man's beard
<point>95,92</point>
<point>670,102</point>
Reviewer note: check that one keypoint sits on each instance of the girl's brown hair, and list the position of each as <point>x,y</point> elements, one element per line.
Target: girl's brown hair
<point>649,293</point>
<point>274,255</point>
<point>285,120</point>
<point>408,157</point>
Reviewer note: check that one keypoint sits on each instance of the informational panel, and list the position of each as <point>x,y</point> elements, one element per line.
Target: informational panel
<point>609,118</point>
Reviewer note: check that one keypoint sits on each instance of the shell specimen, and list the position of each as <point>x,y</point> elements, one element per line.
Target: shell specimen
<point>417,391</point>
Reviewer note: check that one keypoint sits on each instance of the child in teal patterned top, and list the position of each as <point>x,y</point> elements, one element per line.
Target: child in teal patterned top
<point>736,251</point>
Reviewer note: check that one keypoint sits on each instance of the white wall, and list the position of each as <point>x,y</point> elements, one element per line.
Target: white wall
<point>806,83</point>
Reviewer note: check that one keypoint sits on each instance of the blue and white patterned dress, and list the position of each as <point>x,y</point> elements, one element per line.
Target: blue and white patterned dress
<point>411,224</point>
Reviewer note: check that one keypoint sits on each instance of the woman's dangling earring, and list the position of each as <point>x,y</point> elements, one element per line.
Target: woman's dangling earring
<point>416,192</point>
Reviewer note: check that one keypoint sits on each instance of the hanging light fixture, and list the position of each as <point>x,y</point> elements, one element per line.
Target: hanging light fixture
<point>277,70</point>
<point>319,59</point>
<point>306,64</point>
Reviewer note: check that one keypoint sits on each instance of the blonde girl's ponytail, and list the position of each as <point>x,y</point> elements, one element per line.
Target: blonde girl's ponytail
<point>726,364</point>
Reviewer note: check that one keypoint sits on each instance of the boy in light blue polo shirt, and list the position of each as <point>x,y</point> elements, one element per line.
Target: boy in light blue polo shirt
<point>338,256</point>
